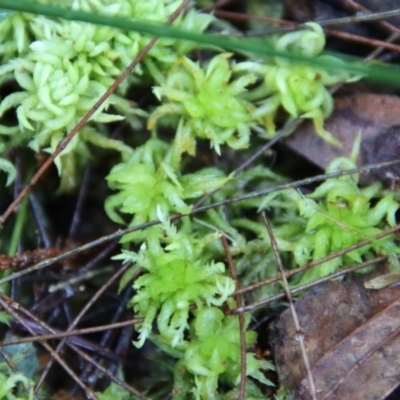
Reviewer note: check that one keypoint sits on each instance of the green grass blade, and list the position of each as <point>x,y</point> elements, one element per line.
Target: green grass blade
<point>375,72</point>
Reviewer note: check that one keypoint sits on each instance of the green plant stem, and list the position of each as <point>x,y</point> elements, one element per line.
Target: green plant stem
<point>19,223</point>
<point>15,237</point>
<point>379,73</point>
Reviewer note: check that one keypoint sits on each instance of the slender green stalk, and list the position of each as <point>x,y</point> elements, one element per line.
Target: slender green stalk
<point>18,226</point>
<point>379,73</point>
<point>13,246</point>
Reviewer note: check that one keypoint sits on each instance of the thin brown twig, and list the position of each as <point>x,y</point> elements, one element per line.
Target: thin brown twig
<point>76,320</point>
<point>352,4</point>
<point>63,144</point>
<point>109,374</point>
<point>76,332</point>
<point>306,286</point>
<point>321,260</point>
<point>331,32</point>
<point>239,302</point>
<point>299,333</point>
<point>79,341</point>
<point>247,196</point>
<point>360,39</point>
<point>8,360</point>
<point>331,22</point>
<point>394,36</point>
<point>80,352</point>
<point>285,131</point>
<point>5,301</point>
<point>236,16</point>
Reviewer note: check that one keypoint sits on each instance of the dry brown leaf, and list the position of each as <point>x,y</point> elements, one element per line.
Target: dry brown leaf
<point>376,116</point>
<point>351,341</point>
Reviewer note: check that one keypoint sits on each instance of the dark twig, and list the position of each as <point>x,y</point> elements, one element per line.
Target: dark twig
<point>299,333</point>
<point>80,352</point>
<point>5,301</point>
<point>239,302</point>
<point>96,296</point>
<point>352,4</point>
<point>109,375</point>
<point>339,34</point>
<point>287,130</point>
<point>330,22</point>
<point>109,333</point>
<point>299,289</point>
<point>42,221</point>
<point>360,39</point>
<point>76,332</point>
<point>233,200</point>
<point>320,260</point>
<point>79,204</point>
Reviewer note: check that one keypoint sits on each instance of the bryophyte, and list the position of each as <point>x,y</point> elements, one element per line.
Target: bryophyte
<point>301,89</point>
<point>214,353</point>
<point>147,184</point>
<point>183,284</point>
<point>207,103</point>
<point>63,67</point>
<point>338,214</point>
<point>177,275</point>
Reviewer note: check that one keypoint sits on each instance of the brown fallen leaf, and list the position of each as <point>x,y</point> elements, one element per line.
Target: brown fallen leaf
<point>376,116</point>
<point>350,335</point>
<point>365,365</point>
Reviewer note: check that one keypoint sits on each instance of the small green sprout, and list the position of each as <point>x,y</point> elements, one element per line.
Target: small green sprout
<point>338,214</point>
<point>214,352</point>
<point>208,103</point>
<point>299,88</point>
<point>343,217</point>
<point>115,391</point>
<point>177,275</point>
<point>147,182</point>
